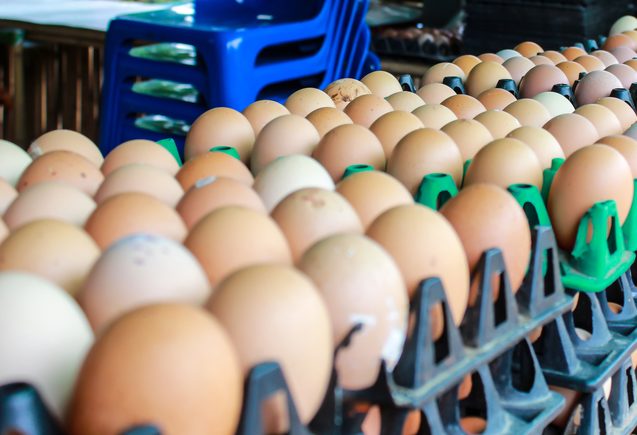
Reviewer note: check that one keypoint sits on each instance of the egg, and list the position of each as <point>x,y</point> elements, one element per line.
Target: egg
<point>632,131</point>
<point>541,78</point>
<point>327,118</point>
<point>490,57</point>
<point>66,140</point>
<point>555,103</point>
<point>46,334</point>
<point>306,100</point>
<point>438,72</point>
<point>464,106</point>
<point>543,144</point>
<point>7,195</point>
<point>572,131</point>
<point>626,146</point>
<point>349,145</point>
<point>595,85</point>
<point>572,71</point>
<point>604,120</point>
<point>576,187</point>
<point>381,83</point>
<point>632,34</point>
<point>498,122</point>
<point>371,193</point>
<point>221,126</point>
<point>232,237</point>
<point>361,284</point>
<point>504,162</point>
<point>285,135</point>
<point>607,58</point>
<point>131,213</point>
<point>392,127</point>
<point>366,109</point>
<point>623,54</point>
<point>372,423</point>
<point>529,112</point>
<point>473,425</point>
<point>631,63</point>
<point>183,346</point>
<point>4,231</point>
<point>469,135</point>
<point>591,63</point>
<point>140,151</point>
<point>467,62</point>
<point>571,53</point>
<point>496,98</point>
<point>281,309</point>
<point>528,48</point>
<point>555,56</point>
<point>507,54</point>
<point>211,164</point>
<point>541,60</point>
<point>435,93</point>
<point>343,91</point>
<point>434,115</point>
<point>624,113</point>
<point>261,112</point>
<point>211,193</point>
<point>618,40</point>
<point>405,101</point>
<point>13,161</point>
<point>485,75</point>
<point>626,75</point>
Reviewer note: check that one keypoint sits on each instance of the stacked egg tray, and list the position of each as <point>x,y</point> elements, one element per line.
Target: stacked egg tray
<point>428,44</point>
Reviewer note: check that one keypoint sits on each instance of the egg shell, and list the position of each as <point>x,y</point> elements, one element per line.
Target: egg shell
<point>623,54</point>
<point>576,187</point>
<point>392,127</point>
<point>572,131</point>
<point>591,63</point>
<point>627,22</point>
<point>604,120</point>
<point>624,113</point>
<point>472,424</point>
<point>306,100</point>
<point>529,112</point>
<point>528,48</point>
<point>485,76</point>
<point>434,115</point>
<point>221,126</point>
<point>498,122</point>
<point>595,85</point>
<point>7,195</point>
<point>466,62</point>
<point>555,103</point>
<point>491,57</point>
<point>571,399</point>
<point>541,78</point>
<point>372,423</point>
<point>366,109</point>
<point>571,70</point>
<point>4,230</point>
<point>140,151</point>
<point>541,60</point>
<point>405,101</point>
<point>327,118</point>
<point>555,56</point>
<point>183,346</point>
<point>469,136</point>
<point>619,40</point>
<point>571,53</point>
<point>543,144</point>
<point>627,147</point>
<point>464,106</point>
<point>343,91</point>
<point>631,63</point>
<point>607,58</point>
<point>261,112</point>
<point>496,99</point>
<point>438,72</point>
<point>632,34</point>
<point>422,152</point>
<point>13,161</point>
<point>626,75</point>
<point>381,83</point>
<point>282,310</point>
<point>435,93</point>
<point>507,54</point>
<point>66,140</point>
<point>214,164</point>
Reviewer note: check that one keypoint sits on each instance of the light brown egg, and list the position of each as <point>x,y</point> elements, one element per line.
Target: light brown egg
<point>261,112</point>
<point>466,62</point>
<point>623,54</point>
<point>577,186</point>
<point>360,283</point>
<point>498,122</point>
<point>343,91</point>
<point>13,161</point>
<point>221,126</point>
<point>627,22</point>
<point>63,166</point>
<point>285,135</point>
<point>405,101</point>
<point>464,106</point>
<point>141,178</point>
<point>381,83</point>
<point>211,193</point>
<point>541,78</point>
<point>627,147</point>
<point>632,34</point>
<point>371,193</point>
<point>132,213</point>
<point>555,103</point>
<point>518,67</point>
<point>140,151</point>
<point>571,70</point>
<point>619,40</point>
<point>504,162</point>
<point>312,214</point>
<point>392,127</point>
<point>435,93</point>
<point>529,112</point>
<point>496,98</point>
<point>306,100</point>
<point>349,145</point>
<point>54,250</point>
<point>490,57</point>
<point>213,164</point>
<point>66,140</point>
<point>469,136</point>
<point>372,423</point>
<point>541,60</point>
<point>555,56</point>
<point>473,425</point>
<point>543,144</point>
<point>327,118</point>
<point>434,115</point>
<point>626,75</point>
<point>366,109</point>
<point>7,195</point>
<point>183,346</point>
<point>624,113</point>
<point>438,72</point>
<point>422,152</point>
<point>607,58</point>
<point>604,120</point>
<point>282,310</point>
<point>485,75</point>
<point>4,230</point>
<point>590,63</point>
<point>572,131</point>
<point>631,63</point>
<point>572,53</point>
<point>528,48</point>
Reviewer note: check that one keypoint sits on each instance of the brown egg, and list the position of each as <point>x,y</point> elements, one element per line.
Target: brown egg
<point>261,112</point>
<point>349,145</point>
<point>7,195</point>
<point>221,126</point>
<point>4,230</point>
<point>306,100</point>
<point>576,187</point>
<point>498,122</point>
<point>518,67</point>
<point>607,58</point>
<point>631,63</point>
<point>632,34</point>
<point>434,115</point>
<point>66,140</point>
<point>279,308</point>
<point>626,75</point>
<point>13,161</point>
<point>131,213</point>
<point>469,136</point>
<point>473,425</point>
<point>343,91</point>
<point>372,423</point>
<point>327,118</point>
<point>528,48</point>
<point>543,144</point>
<point>571,70</point>
<point>627,147</point>
<point>422,152</point>
<point>571,400</point>
<point>366,109</point>
<point>140,151</point>
<point>624,113</point>
<point>231,238</point>
<point>381,83</point>
<point>571,53</point>
<point>504,162</point>
<point>213,164</point>
<point>490,57</point>
<point>438,72</point>
<point>464,106</point>
<point>63,166</point>
<point>435,93</point>
<point>285,135</point>
<point>572,131</point>
<point>541,78</point>
<point>555,103</point>
<point>604,120</point>
<point>591,63</point>
<point>496,98</point>
<point>371,193</point>
<point>485,76</point>
<point>405,101</point>
<point>623,54</point>
<point>555,56</point>
<point>529,112</point>
<point>619,40</point>
<point>183,346</point>
<point>312,214</point>
<point>466,62</point>
<point>541,60</point>
<point>360,284</point>
<point>141,178</point>
<point>392,127</point>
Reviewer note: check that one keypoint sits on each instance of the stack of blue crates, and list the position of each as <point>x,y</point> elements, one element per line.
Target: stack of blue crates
<point>224,53</point>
